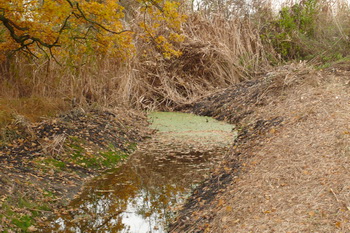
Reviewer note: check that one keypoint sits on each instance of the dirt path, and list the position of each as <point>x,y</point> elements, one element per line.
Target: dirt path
<point>292,176</point>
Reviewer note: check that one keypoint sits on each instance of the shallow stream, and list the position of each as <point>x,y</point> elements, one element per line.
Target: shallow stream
<point>144,192</point>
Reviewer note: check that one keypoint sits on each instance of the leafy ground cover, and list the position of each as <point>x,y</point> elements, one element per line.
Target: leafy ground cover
<point>288,169</point>
<point>43,165</point>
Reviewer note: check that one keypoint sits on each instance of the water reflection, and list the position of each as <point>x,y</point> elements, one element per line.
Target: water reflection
<point>141,195</point>
<point>138,195</point>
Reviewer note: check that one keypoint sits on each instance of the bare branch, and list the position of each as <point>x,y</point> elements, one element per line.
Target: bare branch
<point>157,5</point>
<point>70,3</point>
<point>96,23</point>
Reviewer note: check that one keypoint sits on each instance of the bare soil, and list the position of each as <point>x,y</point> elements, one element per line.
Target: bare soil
<point>289,169</point>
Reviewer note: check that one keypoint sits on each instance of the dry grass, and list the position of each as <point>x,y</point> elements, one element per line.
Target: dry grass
<point>217,53</point>
<point>32,108</point>
<point>297,180</point>
<point>221,48</point>
<point>54,147</point>
<point>237,40</point>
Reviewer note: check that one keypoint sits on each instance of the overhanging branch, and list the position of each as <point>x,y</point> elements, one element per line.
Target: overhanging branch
<point>21,36</point>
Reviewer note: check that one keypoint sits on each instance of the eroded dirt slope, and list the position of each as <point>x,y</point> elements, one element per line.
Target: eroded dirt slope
<point>289,170</point>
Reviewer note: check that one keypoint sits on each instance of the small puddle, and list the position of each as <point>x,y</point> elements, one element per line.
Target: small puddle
<point>141,195</point>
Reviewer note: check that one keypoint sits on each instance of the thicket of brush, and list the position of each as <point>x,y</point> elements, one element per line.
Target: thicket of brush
<point>226,42</point>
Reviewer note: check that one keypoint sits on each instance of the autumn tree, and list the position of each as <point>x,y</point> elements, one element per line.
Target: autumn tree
<point>69,28</point>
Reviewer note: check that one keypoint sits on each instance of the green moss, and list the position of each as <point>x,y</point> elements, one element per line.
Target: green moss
<point>6,207</point>
<point>96,159</point>
<point>23,222</point>
<point>332,60</point>
<point>48,194</point>
<point>54,162</point>
<point>19,221</point>
<point>112,157</point>
<point>132,147</point>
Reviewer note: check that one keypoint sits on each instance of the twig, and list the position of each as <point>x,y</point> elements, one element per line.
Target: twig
<point>334,195</point>
<point>47,211</point>
<point>96,23</point>
<point>343,203</point>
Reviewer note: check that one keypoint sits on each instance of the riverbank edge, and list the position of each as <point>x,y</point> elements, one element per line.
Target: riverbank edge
<point>45,165</point>
<point>239,105</point>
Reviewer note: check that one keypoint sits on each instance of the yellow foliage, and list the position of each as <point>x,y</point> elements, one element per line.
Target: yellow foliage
<point>163,25</point>
<point>70,28</point>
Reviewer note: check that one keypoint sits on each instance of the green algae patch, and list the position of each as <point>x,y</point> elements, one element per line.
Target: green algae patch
<point>185,126</point>
<point>183,122</point>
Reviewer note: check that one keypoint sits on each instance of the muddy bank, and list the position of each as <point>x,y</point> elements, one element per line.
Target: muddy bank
<point>241,105</point>
<point>43,165</point>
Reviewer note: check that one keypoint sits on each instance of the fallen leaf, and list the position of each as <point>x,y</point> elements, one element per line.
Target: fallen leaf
<point>229,208</point>
<point>220,203</point>
<point>32,229</point>
<point>338,224</point>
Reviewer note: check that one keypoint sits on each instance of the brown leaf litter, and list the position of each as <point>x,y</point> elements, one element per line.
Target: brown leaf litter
<point>36,162</point>
<point>288,173</point>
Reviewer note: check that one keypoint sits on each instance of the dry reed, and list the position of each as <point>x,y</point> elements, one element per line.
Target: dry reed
<point>220,50</point>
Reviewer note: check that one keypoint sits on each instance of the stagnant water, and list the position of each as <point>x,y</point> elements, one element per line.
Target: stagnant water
<point>142,194</point>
